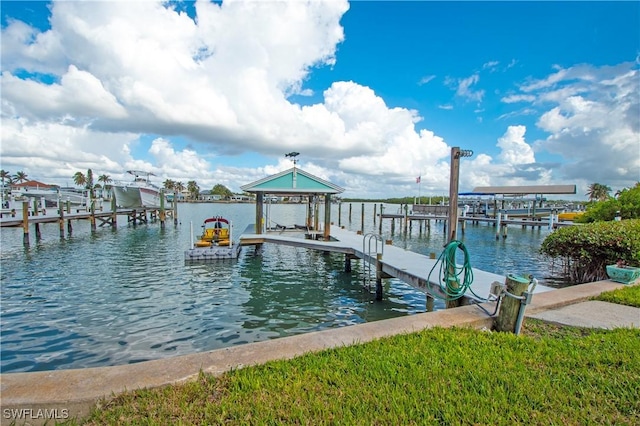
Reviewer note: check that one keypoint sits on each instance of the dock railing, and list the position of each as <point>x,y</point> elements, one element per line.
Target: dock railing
<point>435,210</point>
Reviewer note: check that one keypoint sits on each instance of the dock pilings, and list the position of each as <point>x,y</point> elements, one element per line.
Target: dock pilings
<point>25,223</point>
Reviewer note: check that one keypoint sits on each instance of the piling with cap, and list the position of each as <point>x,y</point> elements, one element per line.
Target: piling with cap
<point>511,303</point>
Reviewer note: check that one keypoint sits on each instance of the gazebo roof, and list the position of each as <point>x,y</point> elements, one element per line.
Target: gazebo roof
<point>292,181</point>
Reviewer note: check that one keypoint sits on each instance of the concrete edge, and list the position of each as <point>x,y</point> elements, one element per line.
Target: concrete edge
<point>40,396</point>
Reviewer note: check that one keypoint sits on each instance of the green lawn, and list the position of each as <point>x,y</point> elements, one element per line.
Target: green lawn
<point>547,375</point>
<point>628,295</point>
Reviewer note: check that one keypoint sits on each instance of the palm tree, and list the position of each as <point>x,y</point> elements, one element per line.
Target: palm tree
<point>90,185</point>
<point>194,189</point>
<point>5,175</point>
<point>105,179</point>
<point>79,179</point>
<point>178,187</point>
<point>169,184</point>
<point>20,176</point>
<point>598,192</point>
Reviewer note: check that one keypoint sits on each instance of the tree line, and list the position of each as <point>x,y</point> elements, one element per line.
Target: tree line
<point>89,182</point>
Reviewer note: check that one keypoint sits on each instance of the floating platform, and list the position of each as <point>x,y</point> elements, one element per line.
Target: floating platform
<point>212,253</point>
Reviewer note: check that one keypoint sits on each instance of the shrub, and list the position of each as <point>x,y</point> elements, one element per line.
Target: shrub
<point>584,251</point>
<point>627,203</point>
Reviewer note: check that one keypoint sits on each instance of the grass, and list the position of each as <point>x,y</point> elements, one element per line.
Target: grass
<point>629,295</point>
<point>548,375</point>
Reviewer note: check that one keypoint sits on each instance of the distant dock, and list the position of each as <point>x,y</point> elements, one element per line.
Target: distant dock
<point>500,222</point>
<point>98,217</point>
<point>393,262</point>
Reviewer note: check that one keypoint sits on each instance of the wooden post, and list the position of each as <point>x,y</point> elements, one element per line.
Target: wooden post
<point>362,219</point>
<point>406,217</point>
<point>327,217</point>
<point>347,262</point>
<point>25,223</point>
<point>61,221</point>
<point>380,223</point>
<point>456,153</point>
<point>453,193</point>
<point>259,204</point>
<point>340,214</point>
<point>174,204</point>
<point>430,303</point>
<point>69,227</point>
<point>454,285</point>
<point>162,212</point>
<point>510,307</point>
<point>68,206</point>
<point>374,213</point>
<point>114,212</point>
<point>498,224</point>
<point>350,206</point>
<point>93,214</point>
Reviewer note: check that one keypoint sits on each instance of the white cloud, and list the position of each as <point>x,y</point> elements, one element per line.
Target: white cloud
<point>514,148</point>
<point>491,65</point>
<point>426,79</point>
<point>116,71</point>
<point>518,98</point>
<point>464,89</point>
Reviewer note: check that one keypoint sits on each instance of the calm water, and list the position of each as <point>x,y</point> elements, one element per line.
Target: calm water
<point>125,295</point>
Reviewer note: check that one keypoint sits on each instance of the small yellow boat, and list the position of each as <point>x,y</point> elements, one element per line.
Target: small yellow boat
<point>214,243</point>
<point>569,216</point>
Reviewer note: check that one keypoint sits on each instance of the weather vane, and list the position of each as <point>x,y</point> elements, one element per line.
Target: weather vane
<point>293,156</point>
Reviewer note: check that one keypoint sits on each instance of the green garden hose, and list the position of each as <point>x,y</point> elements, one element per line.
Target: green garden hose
<point>454,280</point>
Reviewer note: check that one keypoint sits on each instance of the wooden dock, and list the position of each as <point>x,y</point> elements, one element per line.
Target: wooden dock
<point>410,267</point>
<point>26,217</point>
<point>501,223</point>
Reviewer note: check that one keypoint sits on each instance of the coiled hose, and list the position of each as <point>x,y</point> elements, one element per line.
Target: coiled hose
<point>454,280</point>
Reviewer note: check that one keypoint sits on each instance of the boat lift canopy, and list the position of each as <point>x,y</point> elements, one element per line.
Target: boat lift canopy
<point>293,182</point>
<point>522,190</point>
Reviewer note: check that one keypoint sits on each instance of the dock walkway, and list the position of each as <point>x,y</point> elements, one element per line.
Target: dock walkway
<point>410,267</point>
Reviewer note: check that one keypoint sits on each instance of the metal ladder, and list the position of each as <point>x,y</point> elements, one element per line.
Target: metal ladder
<point>370,257</point>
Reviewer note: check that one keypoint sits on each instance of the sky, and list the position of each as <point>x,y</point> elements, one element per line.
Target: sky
<point>372,94</point>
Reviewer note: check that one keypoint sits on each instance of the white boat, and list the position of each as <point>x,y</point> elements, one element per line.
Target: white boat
<point>139,193</point>
<point>215,243</point>
<point>76,197</point>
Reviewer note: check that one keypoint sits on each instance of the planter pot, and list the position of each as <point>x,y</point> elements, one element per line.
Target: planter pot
<point>623,274</point>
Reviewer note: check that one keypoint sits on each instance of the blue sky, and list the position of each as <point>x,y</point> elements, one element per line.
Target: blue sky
<point>372,94</point>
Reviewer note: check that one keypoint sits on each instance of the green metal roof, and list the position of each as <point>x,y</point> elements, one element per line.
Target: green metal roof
<point>292,181</point>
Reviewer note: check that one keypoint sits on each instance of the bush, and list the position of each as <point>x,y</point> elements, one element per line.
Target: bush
<point>627,203</point>
<point>584,251</point>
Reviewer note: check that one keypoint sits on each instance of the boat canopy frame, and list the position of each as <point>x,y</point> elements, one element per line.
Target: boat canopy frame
<point>293,182</point>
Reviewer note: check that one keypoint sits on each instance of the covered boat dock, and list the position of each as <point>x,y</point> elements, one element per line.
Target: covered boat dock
<point>295,182</point>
